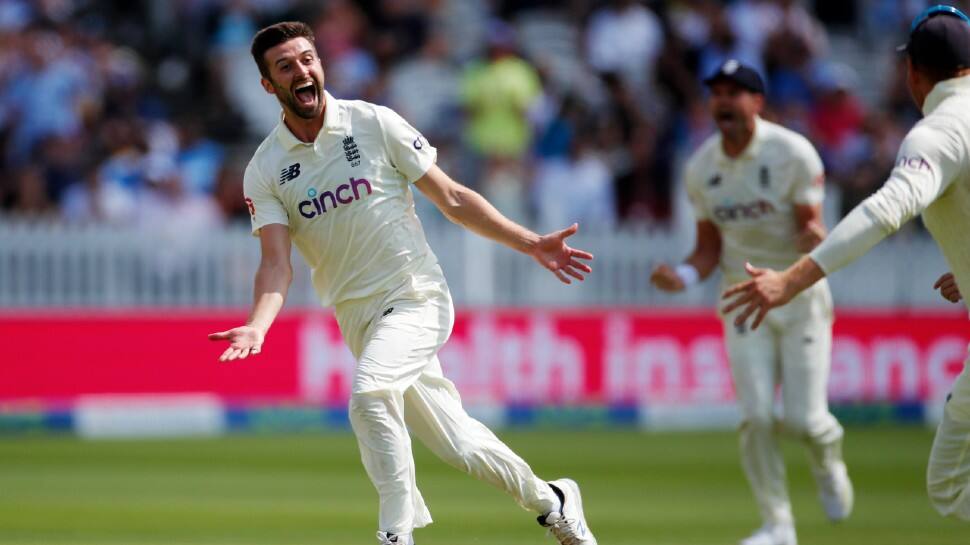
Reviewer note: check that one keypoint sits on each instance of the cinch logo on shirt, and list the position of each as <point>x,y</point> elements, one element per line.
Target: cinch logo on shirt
<point>917,163</point>
<point>751,210</point>
<point>343,194</point>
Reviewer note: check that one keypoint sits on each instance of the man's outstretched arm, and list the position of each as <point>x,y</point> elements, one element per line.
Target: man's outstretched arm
<point>272,281</point>
<point>928,160</point>
<point>470,210</point>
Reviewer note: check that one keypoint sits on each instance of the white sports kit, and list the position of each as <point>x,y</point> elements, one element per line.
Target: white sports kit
<point>347,201</point>
<point>932,177</point>
<point>751,199</point>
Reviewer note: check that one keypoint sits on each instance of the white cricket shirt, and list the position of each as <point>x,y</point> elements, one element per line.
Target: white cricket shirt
<point>751,198</point>
<point>346,198</point>
<point>931,176</point>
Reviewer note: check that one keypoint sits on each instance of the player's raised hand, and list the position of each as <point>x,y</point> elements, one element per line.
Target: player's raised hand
<point>947,285</point>
<point>552,252</point>
<point>766,290</point>
<point>665,278</point>
<point>243,341</point>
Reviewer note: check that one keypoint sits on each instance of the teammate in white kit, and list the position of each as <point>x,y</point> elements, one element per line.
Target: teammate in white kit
<point>756,189</point>
<point>335,176</point>
<point>932,177</point>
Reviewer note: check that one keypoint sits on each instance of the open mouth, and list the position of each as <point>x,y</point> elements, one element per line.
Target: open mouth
<point>725,116</point>
<point>305,93</point>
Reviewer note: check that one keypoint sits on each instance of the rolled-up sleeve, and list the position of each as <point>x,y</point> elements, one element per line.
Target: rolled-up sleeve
<point>264,206</point>
<point>408,150</point>
<point>809,186</point>
<point>695,192</point>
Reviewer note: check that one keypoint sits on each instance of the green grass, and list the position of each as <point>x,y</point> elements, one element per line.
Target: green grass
<point>639,489</point>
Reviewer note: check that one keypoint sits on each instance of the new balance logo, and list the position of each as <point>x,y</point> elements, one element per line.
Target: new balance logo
<point>289,173</point>
<point>351,152</point>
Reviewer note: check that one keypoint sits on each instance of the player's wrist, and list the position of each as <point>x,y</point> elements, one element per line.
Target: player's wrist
<point>529,242</point>
<point>260,328</point>
<point>688,274</point>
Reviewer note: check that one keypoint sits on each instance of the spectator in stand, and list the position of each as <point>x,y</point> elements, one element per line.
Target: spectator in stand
<point>47,95</point>
<point>29,195</point>
<point>402,28</point>
<point>228,187</point>
<point>723,44</point>
<point>92,200</point>
<point>165,196</point>
<point>351,69</point>
<point>752,22</point>
<point>435,111</point>
<point>576,188</point>
<point>867,164</point>
<point>497,93</point>
<point>199,157</point>
<point>837,115</point>
<point>625,37</point>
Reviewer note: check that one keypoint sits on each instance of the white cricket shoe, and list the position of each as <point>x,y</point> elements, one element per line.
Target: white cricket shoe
<point>772,534</point>
<point>569,523</point>
<point>835,491</point>
<point>385,538</point>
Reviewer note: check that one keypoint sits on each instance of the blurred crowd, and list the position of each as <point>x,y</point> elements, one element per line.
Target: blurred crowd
<point>144,113</point>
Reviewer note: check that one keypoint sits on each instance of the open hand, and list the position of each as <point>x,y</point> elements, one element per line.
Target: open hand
<point>243,341</point>
<point>948,288</point>
<point>766,290</point>
<point>552,252</point>
<point>665,279</point>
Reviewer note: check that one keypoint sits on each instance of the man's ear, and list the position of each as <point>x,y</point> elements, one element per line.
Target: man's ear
<point>267,86</point>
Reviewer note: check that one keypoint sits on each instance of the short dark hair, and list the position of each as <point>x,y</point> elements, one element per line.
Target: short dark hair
<point>939,47</point>
<point>273,36</point>
<point>934,72</point>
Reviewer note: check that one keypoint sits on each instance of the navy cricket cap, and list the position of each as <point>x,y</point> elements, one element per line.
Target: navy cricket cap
<point>940,38</point>
<point>739,73</point>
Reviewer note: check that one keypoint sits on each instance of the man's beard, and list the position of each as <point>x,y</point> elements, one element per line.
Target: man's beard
<point>288,98</point>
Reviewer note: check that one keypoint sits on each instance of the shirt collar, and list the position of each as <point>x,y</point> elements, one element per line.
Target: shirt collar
<point>944,90</point>
<point>751,150</point>
<point>333,121</point>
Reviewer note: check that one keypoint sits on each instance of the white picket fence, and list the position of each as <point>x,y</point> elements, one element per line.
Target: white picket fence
<point>54,266</point>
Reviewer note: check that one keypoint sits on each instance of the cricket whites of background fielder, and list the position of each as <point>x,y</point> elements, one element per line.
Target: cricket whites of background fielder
<point>756,189</point>
<point>932,177</point>
<point>335,176</point>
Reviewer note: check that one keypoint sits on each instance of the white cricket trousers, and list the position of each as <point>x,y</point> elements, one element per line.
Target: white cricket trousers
<point>948,473</point>
<point>791,348</point>
<point>398,385</point>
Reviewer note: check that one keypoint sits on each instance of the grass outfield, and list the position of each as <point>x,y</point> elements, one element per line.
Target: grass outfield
<point>639,489</point>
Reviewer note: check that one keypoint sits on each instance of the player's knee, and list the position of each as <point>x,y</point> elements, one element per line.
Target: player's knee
<point>758,423</point>
<point>798,425</point>
<point>367,409</point>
